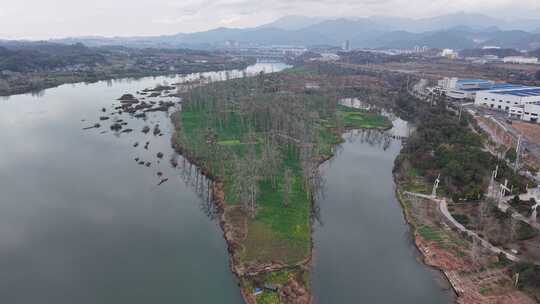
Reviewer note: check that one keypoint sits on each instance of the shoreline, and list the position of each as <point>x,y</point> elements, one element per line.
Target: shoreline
<point>415,238</point>
<point>79,79</point>
<point>218,199</point>
<point>458,271</point>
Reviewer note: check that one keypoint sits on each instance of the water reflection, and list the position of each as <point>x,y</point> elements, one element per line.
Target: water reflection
<point>401,129</point>
<point>193,177</point>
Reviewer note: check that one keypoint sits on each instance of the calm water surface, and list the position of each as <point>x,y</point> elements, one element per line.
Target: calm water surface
<point>81,222</point>
<point>362,246</point>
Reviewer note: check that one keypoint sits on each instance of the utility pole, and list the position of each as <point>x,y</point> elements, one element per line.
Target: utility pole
<point>435,186</point>
<point>518,148</point>
<point>504,188</point>
<point>408,78</point>
<point>492,190</point>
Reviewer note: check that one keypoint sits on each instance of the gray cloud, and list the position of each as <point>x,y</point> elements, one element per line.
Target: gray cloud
<point>59,18</point>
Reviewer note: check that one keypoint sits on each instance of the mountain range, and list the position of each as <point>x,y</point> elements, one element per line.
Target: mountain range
<point>458,31</point>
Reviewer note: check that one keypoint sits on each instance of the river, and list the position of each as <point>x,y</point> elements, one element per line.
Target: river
<point>82,222</point>
<point>363,252</point>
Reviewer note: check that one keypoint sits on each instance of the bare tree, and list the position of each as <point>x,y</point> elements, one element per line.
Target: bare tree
<point>287,181</point>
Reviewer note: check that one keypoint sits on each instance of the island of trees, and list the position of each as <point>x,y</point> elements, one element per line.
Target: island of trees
<point>261,140</point>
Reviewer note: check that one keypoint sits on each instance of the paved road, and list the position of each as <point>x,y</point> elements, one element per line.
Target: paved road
<point>443,208</point>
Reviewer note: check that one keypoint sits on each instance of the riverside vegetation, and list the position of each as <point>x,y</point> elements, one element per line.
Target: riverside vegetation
<point>34,66</point>
<point>261,140</point>
<point>454,147</point>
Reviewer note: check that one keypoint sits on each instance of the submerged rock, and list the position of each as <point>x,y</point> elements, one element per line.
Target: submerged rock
<point>174,162</point>
<point>103,118</point>
<point>128,99</point>
<point>136,144</point>
<point>95,126</point>
<point>146,129</point>
<point>161,182</point>
<point>116,127</point>
<point>127,131</point>
<point>157,131</point>
<point>159,155</point>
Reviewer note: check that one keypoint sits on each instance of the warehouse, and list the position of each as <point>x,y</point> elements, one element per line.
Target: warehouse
<point>504,100</point>
<point>528,112</point>
<point>468,88</point>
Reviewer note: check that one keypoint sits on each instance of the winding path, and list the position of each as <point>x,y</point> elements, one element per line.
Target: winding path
<point>443,208</point>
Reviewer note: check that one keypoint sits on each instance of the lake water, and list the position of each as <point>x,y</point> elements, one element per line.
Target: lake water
<point>363,251</point>
<point>82,222</point>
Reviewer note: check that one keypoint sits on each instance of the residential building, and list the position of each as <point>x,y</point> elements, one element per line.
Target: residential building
<point>449,53</point>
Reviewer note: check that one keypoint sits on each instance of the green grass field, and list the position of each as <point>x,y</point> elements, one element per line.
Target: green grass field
<point>361,119</point>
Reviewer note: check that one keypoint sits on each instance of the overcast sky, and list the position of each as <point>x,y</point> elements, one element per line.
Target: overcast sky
<point>40,19</point>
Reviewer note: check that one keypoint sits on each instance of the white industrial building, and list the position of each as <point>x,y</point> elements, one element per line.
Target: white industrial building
<point>529,112</point>
<point>519,102</point>
<point>449,53</point>
<point>468,88</point>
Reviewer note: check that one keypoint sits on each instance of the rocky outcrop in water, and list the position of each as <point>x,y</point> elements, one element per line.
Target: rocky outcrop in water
<point>157,131</point>
<point>128,98</point>
<point>116,127</point>
<point>95,126</point>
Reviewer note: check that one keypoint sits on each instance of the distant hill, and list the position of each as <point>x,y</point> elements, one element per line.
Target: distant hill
<point>458,31</point>
<point>293,23</point>
<point>23,57</point>
<point>535,53</point>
